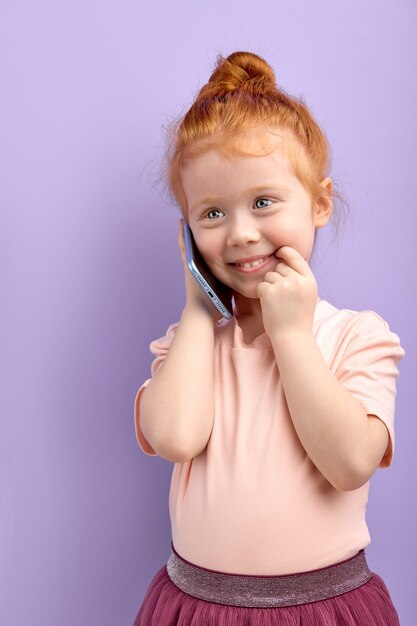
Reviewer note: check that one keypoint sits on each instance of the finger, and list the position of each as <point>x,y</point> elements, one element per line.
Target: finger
<point>294,259</point>
<point>283,269</point>
<point>262,288</point>
<point>181,242</point>
<point>271,277</point>
<point>181,230</point>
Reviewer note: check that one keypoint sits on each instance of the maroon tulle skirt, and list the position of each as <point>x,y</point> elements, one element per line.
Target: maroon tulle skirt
<point>166,604</point>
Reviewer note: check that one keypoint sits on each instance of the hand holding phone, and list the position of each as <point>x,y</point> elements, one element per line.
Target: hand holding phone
<point>202,287</point>
<point>194,294</point>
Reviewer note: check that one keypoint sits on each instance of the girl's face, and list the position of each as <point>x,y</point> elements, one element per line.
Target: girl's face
<point>242,207</point>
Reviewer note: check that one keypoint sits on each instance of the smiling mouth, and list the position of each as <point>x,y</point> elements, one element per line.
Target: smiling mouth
<point>253,266</point>
<point>253,263</point>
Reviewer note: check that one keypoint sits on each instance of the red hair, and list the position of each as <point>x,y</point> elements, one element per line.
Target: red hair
<point>241,95</point>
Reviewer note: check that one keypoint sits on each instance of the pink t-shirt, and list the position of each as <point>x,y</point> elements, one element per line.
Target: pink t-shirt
<point>252,502</point>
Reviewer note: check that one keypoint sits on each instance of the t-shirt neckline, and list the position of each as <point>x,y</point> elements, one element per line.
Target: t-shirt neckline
<point>262,342</point>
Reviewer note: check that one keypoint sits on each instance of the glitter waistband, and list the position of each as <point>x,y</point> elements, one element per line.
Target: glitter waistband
<point>268,591</point>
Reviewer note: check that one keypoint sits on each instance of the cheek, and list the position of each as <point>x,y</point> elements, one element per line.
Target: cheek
<point>296,234</point>
<point>209,246</point>
<point>304,244</point>
<point>281,235</point>
<point>294,227</point>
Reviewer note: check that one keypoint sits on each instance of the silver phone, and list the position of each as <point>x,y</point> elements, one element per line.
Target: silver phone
<point>219,293</point>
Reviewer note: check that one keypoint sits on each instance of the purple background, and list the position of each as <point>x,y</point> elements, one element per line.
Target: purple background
<point>91,271</point>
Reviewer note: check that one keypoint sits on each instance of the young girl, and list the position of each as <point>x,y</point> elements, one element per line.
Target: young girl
<point>277,418</point>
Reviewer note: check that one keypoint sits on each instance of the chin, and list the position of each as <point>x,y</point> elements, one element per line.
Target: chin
<point>250,294</point>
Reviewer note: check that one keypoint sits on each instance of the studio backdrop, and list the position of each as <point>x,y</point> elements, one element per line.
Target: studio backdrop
<point>91,271</point>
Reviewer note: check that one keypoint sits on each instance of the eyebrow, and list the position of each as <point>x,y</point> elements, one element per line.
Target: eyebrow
<point>264,188</point>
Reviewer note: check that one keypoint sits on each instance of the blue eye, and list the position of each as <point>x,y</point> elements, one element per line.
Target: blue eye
<point>261,199</point>
<point>213,211</point>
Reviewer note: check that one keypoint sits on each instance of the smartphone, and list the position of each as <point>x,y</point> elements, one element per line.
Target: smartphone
<point>219,293</point>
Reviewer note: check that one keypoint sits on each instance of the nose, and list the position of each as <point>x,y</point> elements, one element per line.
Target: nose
<point>242,230</point>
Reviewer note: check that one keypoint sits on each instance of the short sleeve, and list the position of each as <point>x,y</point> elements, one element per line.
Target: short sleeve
<point>368,369</point>
<point>158,347</point>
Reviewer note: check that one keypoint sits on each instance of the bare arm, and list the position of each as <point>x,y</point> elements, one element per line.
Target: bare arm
<point>344,442</point>
<point>331,424</point>
<point>177,406</point>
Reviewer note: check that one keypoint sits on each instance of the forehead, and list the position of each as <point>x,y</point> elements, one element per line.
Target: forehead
<point>226,171</point>
<point>258,140</point>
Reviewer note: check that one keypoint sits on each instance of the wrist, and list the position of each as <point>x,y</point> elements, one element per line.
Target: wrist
<point>195,311</point>
<point>292,337</point>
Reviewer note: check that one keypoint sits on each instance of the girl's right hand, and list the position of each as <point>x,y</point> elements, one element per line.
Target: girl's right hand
<point>195,296</point>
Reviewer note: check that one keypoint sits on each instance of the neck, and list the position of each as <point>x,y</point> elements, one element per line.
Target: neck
<point>250,307</point>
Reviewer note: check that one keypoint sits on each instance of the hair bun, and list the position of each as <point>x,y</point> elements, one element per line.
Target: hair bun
<point>242,70</point>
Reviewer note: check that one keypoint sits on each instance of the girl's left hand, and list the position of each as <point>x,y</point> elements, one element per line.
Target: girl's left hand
<point>288,295</point>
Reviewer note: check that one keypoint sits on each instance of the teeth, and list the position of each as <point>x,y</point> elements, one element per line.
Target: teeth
<point>257,262</point>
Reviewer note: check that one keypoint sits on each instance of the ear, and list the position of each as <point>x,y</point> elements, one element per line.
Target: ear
<point>324,206</point>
